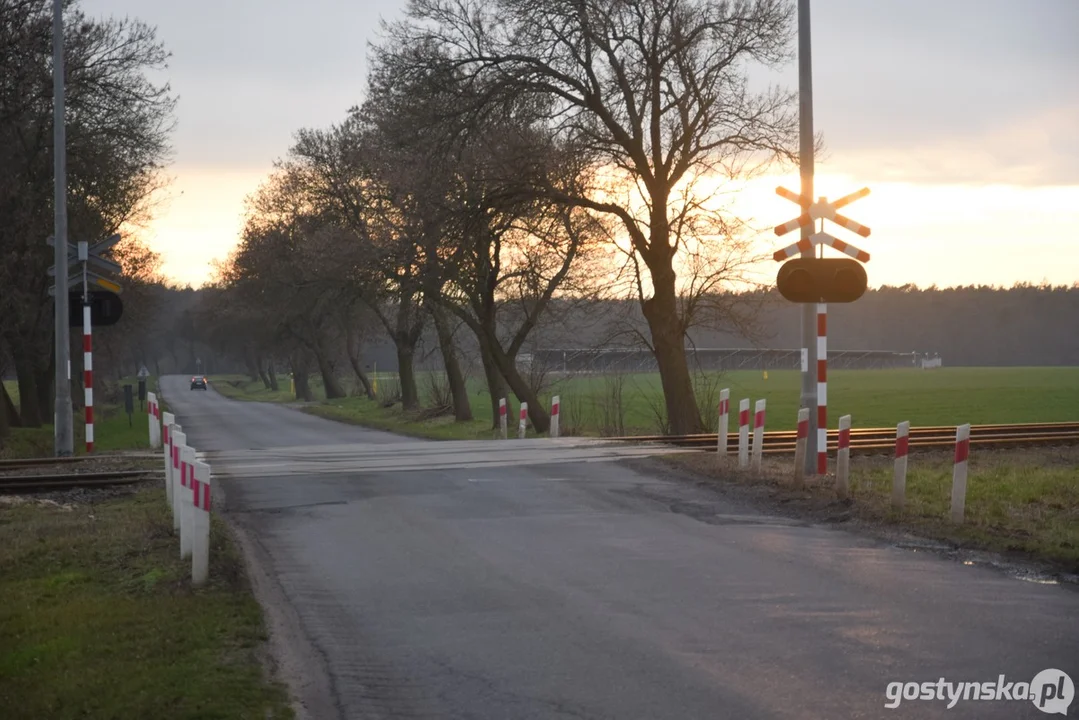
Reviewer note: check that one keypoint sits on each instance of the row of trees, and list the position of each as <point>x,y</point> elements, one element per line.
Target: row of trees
<point>117,124</point>
<point>512,160</point>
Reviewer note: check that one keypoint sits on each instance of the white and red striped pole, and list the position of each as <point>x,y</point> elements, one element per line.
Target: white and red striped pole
<point>177,439</point>
<point>758,435</point>
<point>166,441</point>
<point>88,376</point>
<point>187,509</point>
<point>523,423</point>
<point>899,478</point>
<point>743,433</point>
<point>800,448</point>
<point>842,463</point>
<point>822,388</point>
<point>200,524</point>
<point>503,417</point>
<point>555,406</point>
<point>959,473</point>
<point>724,421</point>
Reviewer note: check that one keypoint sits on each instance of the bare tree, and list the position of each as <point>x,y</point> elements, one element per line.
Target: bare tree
<point>654,93</point>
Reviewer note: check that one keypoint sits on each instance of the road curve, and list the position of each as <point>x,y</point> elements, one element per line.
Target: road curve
<point>604,590</point>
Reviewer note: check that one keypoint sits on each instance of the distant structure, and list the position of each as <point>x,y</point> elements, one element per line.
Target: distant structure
<point>638,360</point>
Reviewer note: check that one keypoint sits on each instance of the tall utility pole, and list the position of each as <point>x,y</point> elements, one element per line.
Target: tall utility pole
<point>805,162</point>
<point>62,420</point>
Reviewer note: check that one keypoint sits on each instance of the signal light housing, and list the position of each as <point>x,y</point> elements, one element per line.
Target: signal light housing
<point>821,280</point>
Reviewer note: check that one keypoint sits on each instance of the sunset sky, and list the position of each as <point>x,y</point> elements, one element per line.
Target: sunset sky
<point>961,116</point>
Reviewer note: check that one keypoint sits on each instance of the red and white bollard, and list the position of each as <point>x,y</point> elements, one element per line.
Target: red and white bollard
<point>187,480</point>
<point>842,463</point>
<point>201,494</point>
<point>178,440</point>
<point>743,433</point>
<point>724,422</point>
<point>166,440</point>
<point>88,376</point>
<point>523,424</point>
<point>555,405</point>
<point>503,417</point>
<point>959,473</point>
<point>801,441</point>
<point>758,435</point>
<point>899,477</point>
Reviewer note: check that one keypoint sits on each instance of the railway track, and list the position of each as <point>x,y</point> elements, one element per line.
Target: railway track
<point>877,440</point>
<point>69,481</point>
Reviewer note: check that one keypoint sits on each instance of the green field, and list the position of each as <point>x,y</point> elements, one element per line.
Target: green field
<point>113,429</point>
<point>633,403</point>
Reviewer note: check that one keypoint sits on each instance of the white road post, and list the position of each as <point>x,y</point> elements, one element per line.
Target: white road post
<point>842,462</point>
<point>555,408</point>
<point>178,440</point>
<point>800,448</point>
<point>523,424</point>
<point>187,462</point>
<point>150,418</point>
<point>758,435</point>
<point>167,419</point>
<point>724,422</point>
<point>200,538</point>
<point>899,479</point>
<point>743,433</point>
<point>959,473</point>
<point>503,417</point>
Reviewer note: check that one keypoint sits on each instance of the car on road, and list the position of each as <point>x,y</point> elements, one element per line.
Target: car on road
<point>198,383</point>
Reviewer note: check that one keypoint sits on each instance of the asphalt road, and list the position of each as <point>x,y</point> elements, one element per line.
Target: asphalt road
<point>600,590</point>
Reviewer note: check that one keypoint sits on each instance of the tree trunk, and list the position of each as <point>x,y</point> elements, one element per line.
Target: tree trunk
<point>11,413</point>
<point>271,374</point>
<point>537,414</point>
<point>410,396</point>
<point>462,408</point>
<point>668,339</point>
<point>26,374</point>
<point>357,368</point>
<point>299,378</point>
<point>496,384</point>
<point>329,381</point>
<point>262,373</point>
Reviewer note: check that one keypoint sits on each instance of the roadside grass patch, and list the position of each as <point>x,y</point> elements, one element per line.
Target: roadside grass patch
<point>99,619</point>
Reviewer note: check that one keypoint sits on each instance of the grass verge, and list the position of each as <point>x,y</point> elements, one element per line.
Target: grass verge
<point>113,429</point>
<point>1022,503</point>
<point>99,619</point>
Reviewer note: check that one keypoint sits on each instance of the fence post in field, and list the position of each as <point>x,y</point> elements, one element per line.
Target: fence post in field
<point>959,473</point>
<point>899,477</point>
<point>743,433</point>
<point>800,448</point>
<point>554,416</point>
<point>842,463</point>
<point>503,418</point>
<point>758,435</point>
<point>724,422</point>
<point>200,540</point>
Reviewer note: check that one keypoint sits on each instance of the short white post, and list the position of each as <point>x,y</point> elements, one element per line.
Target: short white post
<point>523,421</point>
<point>166,430</point>
<point>503,417</point>
<point>178,441</point>
<point>150,419</point>
<point>959,473</point>
<point>724,422</point>
<point>187,508</point>
<point>758,435</point>
<point>899,478</point>
<point>800,448</point>
<point>202,492</point>
<point>555,407</point>
<point>743,433</point>
<point>842,462</point>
